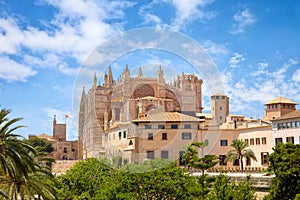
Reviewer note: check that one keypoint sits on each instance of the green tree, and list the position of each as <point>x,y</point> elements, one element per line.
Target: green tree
<point>43,145</point>
<point>239,152</point>
<point>284,162</point>
<point>224,189</point>
<point>203,163</point>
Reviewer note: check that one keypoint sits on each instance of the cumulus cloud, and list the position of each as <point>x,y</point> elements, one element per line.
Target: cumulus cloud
<point>235,60</point>
<point>11,70</point>
<point>76,30</point>
<point>242,18</point>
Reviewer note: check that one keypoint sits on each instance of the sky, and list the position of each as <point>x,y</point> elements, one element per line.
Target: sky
<point>45,43</point>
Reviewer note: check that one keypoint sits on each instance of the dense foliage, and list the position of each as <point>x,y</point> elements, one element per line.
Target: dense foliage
<point>43,145</point>
<point>285,162</point>
<point>91,179</point>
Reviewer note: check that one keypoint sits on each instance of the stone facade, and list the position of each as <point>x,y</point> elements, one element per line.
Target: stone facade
<point>123,100</point>
<point>63,149</point>
<point>138,118</point>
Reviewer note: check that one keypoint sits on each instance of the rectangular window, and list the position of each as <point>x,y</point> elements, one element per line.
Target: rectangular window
<point>290,139</point>
<point>236,162</point>
<point>220,108</point>
<point>186,136</point>
<point>264,140</point>
<point>257,141</point>
<point>298,124</point>
<point>222,160</point>
<point>247,141</point>
<point>283,125</point>
<point>187,126</point>
<point>223,142</point>
<point>150,154</point>
<point>124,134</point>
<point>248,161</point>
<point>164,154</point>
<point>161,126</point>
<point>65,150</point>
<point>278,140</point>
<point>120,135</point>
<point>264,158</point>
<point>150,136</point>
<point>148,127</point>
<point>288,124</point>
<point>279,126</point>
<point>164,136</point>
<point>293,124</point>
<point>174,126</point>
<point>251,141</point>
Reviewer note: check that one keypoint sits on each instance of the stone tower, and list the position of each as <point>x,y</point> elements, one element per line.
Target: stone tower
<point>59,131</point>
<point>219,108</point>
<point>278,107</point>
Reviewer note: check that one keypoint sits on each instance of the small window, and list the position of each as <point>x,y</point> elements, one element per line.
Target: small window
<point>187,126</point>
<point>130,142</point>
<point>290,139</point>
<point>124,134</point>
<point>161,126</point>
<point>264,140</point>
<point>148,127</point>
<point>186,136</point>
<point>73,150</point>
<point>65,150</point>
<point>247,141</point>
<point>150,154</point>
<point>222,160</point>
<point>248,161</point>
<point>223,142</point>
<point>164,154</point>
<point>278,140</point>
<point>223,97</point>
<point>120,135</point>
<point>220,108</point>
<point>164,136</point>
<point>264,158</point>
<point>174,126</point>
<point>257,141</point>
<point>150,136</point>
<point>181,161</point>
<point>251,141</point>
<point>236,162</point>
<point>221,117</point>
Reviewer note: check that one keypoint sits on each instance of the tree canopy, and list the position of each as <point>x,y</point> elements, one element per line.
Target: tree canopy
<point>285,162</point>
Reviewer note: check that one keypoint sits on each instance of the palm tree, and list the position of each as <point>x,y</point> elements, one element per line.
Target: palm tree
<point>21,174</point>
<point>239,152</point>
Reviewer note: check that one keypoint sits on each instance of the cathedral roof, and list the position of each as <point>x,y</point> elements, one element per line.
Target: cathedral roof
<point>281,100</point>
<point>167,117</point>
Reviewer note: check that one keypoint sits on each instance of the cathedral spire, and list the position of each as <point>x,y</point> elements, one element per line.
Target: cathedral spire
<point>82,94</point>
<point>95,79</point>
<point>140,72</point>
<point>110,77</point>
<point>160,74</point>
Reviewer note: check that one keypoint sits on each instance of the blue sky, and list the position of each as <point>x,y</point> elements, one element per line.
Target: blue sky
<point>43,44</point>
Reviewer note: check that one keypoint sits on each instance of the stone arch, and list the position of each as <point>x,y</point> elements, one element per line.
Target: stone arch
<point>143,90</point>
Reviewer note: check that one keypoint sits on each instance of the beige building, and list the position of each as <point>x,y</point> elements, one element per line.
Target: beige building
<point>63,149</point>
<point>139,118</point>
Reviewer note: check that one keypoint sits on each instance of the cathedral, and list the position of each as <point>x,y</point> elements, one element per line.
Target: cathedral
<point>123,100</point>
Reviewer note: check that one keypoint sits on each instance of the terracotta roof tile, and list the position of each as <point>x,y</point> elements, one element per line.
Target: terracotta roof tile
<point>291,115</point>
<point>167,116</point>
<point>281,100</point>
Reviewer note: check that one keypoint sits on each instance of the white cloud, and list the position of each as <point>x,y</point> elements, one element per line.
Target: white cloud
<point>189,10</point>
<point>213,48</point>
<point>11,70</point>
<point>296,76</point>
<point>186,11</point>
<point>76,30</point>
<point>235,60</point>
<point>243,18</point>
